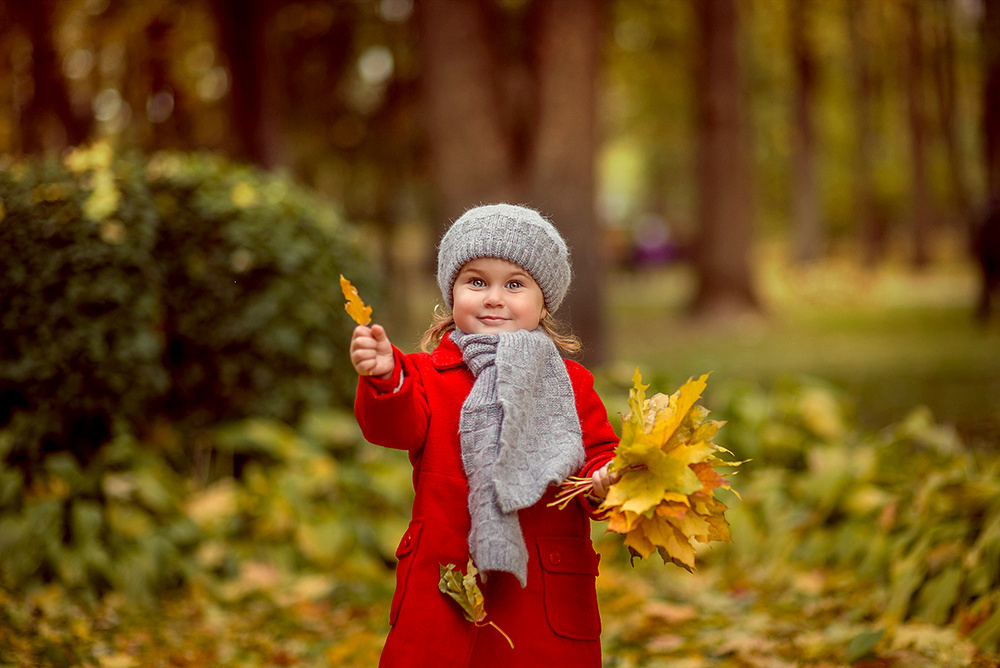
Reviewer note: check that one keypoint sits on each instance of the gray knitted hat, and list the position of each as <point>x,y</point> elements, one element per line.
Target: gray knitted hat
<point>514,233</point>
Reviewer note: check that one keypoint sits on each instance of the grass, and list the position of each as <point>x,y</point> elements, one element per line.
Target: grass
<point>891,338</point>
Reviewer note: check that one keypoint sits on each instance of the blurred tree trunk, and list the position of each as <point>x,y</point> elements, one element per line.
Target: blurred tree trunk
<point>917,107</point>
<point>946,88</point>
<point>871,224</point>
<point>170,125</point>
<point>562,182</point>
<point>722,253</point>
<point>991,95</point>
<point>467,106</point>
<point>510,103</point>
<point>256,104</point>
<point>48,122</point>
<point>806,219</point>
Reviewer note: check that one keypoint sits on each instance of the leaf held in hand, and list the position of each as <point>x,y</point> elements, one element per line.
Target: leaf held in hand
<point>663,499</point>
<point>355,307</point>
<point>464,590</point>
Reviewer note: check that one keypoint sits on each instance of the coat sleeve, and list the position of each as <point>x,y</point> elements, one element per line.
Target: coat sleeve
<point>393,412</point>
<point>599,438</point>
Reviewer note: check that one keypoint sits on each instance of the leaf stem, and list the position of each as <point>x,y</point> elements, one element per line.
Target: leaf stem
<point>505,636</point>
<point>570,489</point>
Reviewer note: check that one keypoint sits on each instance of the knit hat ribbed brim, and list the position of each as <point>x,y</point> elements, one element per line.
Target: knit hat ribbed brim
<point>509,232</point>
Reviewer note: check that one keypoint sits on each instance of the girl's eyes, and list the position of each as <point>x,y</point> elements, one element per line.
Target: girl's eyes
<point>510,285</point>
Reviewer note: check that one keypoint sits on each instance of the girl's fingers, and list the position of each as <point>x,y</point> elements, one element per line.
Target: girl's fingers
<point>598,480</point>
<point>371,350</point>
<point>603,479</point>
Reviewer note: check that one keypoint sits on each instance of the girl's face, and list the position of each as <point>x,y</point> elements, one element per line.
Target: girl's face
<point>491,295</point>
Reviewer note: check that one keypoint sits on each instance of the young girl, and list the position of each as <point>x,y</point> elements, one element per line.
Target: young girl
<point>493,419</point>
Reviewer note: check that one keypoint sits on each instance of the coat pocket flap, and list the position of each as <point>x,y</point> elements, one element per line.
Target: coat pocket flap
<point>409,539</point>
<point>565,554</point>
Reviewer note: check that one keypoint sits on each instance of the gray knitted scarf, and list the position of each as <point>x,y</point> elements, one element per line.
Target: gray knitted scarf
<point>519,433</point>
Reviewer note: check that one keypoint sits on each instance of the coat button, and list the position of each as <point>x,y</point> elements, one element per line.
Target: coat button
<point>555,558</point>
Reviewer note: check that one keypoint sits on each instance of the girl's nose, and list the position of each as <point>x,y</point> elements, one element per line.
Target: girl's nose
<point>493,297</point>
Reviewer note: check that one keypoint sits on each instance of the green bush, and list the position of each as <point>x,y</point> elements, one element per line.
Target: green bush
<point>144,303</point>
<point>253,302</point>
<point>179,287</point>
<point>80,305</point>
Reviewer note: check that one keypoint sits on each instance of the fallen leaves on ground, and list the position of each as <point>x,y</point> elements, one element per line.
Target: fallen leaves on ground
<point>724,617</point>
<point>719,616</point>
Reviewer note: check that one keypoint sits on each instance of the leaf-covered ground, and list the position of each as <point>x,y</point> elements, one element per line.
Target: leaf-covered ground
<point>660,616</point>
<point>654,615</point>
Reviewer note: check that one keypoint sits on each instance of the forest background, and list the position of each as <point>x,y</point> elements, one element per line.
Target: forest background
<point>782,192</point>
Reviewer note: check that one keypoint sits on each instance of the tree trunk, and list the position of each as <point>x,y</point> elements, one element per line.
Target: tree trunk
<point>722,254</point>
<point>562,181</point>
<point>946,84</point>
<point>469,155</point>
<point>513,119</point>
<point>871,223</point>
<point>991,97</point>
<point>48,123</point>
<point>806,219</point>
<point>255,97</point>
<point>169,124</point>
<point>920,200</point>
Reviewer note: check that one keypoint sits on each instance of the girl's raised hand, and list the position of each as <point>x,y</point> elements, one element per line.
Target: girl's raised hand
<point>371,352</point>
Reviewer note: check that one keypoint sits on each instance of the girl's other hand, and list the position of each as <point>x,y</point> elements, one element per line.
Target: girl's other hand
<point>371,352</point>
<point>603,478</point>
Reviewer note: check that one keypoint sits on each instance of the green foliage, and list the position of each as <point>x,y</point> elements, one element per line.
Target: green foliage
<point>180,287</point>
<point>79,303</point>
<point>315,513</point>
<point>164,320</point>
<point>253,303</point>
<point>316,499</point>
<point>908,508</point>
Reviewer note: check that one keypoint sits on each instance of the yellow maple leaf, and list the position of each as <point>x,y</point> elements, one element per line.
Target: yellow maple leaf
<point>355,307</point>
<point>678,548</point>
<point>663,500</point>
<point>671,419</point>
<point>652,476</point>
<point>718,529</point>
<point>464,590</point>
<point>638,542</point>
<point>690,524</point>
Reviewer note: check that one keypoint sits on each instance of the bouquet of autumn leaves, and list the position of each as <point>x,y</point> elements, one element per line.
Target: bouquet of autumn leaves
<point>664,497</point>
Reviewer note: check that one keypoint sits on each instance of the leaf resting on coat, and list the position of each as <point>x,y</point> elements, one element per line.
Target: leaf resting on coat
<point>464,590</point>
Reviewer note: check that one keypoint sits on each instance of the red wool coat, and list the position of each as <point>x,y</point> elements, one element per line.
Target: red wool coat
<point>554,620</point>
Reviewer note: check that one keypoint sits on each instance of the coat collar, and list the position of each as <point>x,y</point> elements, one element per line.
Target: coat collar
<point>447,355</point>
